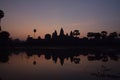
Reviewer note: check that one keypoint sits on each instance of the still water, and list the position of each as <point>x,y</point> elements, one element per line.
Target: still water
<point>60,64</point>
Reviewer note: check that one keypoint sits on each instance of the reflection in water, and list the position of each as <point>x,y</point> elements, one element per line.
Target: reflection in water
<point>43,63</point>
<point>65,53</point>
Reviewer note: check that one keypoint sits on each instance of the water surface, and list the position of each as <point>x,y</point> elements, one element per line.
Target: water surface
<point>60,64</point>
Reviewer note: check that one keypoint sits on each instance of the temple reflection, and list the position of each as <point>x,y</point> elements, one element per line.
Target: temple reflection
<point>59,55</point>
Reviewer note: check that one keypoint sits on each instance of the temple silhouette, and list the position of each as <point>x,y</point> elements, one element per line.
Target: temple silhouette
<point>60,39</point>
<point>60,55</point>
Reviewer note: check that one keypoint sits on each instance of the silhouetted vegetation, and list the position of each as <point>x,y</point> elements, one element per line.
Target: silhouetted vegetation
<point>59,47</point>
<point>59,55</point>
<point>1,16</point>
<point>69,39</point>
<point>72,39</point>
<point>4,39</point>
<point>34,30</point>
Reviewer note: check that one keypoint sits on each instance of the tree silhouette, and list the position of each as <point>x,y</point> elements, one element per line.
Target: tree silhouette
<point>93,35</point>
<point>4,38</point>
<point>4,35</point>
<point>104,34</point>
<point>97,35</point>
<point>1,16</point>
<point>34,30</point>
<point>113,35</point>
<point>47,36</point>
<point>76,33</point>
<point>90,35</point>
<point>39,37</point>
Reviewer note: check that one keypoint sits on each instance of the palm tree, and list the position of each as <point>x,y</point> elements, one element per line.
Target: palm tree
<point>1,16</point>
<point>34,30</point>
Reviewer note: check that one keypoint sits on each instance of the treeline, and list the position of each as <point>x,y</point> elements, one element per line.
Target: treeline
<point>72,39</point>
<point>76,34</point>
<point>62,39</point>
<point>60,55</point>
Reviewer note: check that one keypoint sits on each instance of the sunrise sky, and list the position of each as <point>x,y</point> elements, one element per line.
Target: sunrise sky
<point>22,16</point>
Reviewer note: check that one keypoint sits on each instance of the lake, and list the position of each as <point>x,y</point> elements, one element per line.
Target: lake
<point>64,63</point>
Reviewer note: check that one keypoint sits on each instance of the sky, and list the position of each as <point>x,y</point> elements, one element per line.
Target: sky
<point>22,16</point>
